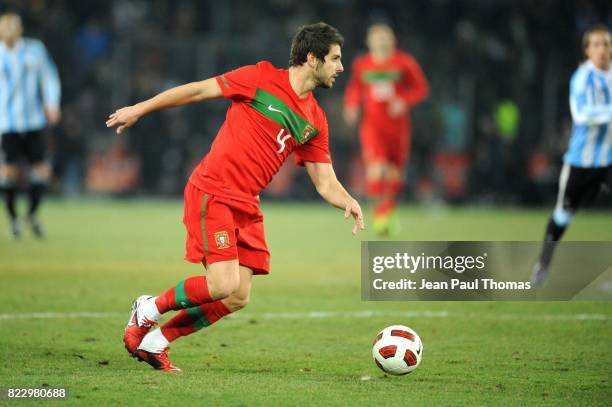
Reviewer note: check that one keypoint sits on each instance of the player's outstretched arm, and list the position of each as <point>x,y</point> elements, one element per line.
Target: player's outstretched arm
<point>588,113</point>
<point>181,95</point>
<point>324,179</point>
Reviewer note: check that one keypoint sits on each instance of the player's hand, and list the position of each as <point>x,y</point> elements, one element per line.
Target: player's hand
<point>353,208</point>
<point>53,115</point>
<point>397,107</point>
<point>123,118</point>
<point>350,114</point>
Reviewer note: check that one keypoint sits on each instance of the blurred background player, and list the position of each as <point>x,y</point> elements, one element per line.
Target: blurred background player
<point>386,83</point>
<point>588,160</point>
<point>29,101</point>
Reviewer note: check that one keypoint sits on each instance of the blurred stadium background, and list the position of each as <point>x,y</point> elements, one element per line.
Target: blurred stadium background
<point>492,131</point>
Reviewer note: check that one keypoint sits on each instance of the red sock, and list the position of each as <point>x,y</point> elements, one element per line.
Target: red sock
<point>187,294</point>
<point>374,188</point>
<point>190,320</point>
<point>383,207</point>
<point>393,188</point>
<point>390,191</point>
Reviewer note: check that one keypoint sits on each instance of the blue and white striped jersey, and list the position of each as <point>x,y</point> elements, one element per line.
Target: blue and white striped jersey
<point>590,144</point>
<point>28,81</point>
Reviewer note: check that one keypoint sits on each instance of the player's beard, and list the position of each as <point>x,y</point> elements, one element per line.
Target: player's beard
<point>320,79</point>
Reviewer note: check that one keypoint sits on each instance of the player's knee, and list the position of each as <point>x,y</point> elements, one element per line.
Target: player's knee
<point>375,171</point>
<point>237,301</point>
<point>394,173</point>
<point>225,289</point>
<point>8,173</point>
<point>563,217</point>
<point>39,174</point>
<point>224,286</point>
<point>223,279</point>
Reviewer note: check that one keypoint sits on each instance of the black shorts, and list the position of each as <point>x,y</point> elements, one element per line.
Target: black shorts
<point>30,145</point>
<point>580,186</point>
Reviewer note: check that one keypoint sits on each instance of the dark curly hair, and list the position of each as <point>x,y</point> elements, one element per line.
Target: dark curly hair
<point>316,38</point>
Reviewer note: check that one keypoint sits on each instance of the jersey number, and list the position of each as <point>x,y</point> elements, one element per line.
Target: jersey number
<point>382,91</point>
<point>282,139</point>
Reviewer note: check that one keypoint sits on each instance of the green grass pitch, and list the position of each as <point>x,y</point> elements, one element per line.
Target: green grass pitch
<point>305,338</point>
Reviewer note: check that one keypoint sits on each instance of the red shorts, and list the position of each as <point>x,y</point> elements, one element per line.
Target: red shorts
<point>380,146</point>
<point>221,229</point>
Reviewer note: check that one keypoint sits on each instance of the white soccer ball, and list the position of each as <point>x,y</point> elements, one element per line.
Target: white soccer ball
<point>397,350</point>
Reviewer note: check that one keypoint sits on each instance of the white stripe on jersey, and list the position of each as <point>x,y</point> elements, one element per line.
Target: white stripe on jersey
<point>604,155</point>
<point>588,151</point>
<point>19,97</point>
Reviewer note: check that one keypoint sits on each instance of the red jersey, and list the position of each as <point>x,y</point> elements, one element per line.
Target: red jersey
<point>265,122</point>
<point>374,84</point>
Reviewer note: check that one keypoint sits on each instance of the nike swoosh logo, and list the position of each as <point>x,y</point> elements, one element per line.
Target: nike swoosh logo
<point>275,110</point>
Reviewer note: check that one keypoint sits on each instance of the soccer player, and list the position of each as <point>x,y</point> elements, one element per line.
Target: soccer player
<point>588,160</point>
<point>29,102</point>
<point>273,113</point>
<point>386,83</point>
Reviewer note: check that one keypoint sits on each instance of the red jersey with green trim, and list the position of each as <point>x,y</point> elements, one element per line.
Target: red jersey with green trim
<point>374,84</point>
<point>265,122</point>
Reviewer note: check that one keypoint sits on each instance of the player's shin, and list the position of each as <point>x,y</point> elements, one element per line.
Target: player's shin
<point>393,189</point>
<point>188,321</point>
<point>554,231</point>
<point>374,188</point>
<point>10,194</point>
<point>38,185</point>
<point>189,293</point>
<point>557,225</point>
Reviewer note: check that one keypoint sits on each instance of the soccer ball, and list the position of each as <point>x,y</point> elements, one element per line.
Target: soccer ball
<point>397,350</point>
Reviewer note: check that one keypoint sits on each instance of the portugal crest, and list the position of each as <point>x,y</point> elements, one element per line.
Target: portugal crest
<point>222,239</point>
<point>307,133</point>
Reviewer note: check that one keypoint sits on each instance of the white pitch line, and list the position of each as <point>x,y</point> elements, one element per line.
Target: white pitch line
<point>547,317</point>
<point>332,315</point>
<point>58,315</point>
<point>337,314</point>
